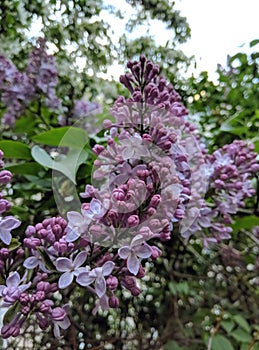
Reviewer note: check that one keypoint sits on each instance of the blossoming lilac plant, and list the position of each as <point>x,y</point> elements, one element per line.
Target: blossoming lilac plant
<point>148,183</point>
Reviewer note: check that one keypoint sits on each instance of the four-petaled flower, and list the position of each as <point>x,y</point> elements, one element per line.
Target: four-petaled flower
<point>12,290</point>
<point>78,223</point>
<point>97,275</point>
<point>137,249</point>
<point>70,268</point>
<point>8,224</point>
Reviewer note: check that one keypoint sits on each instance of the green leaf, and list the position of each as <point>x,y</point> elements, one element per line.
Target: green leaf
<point>12,312</point>
<point>245,222</point>
<point>219,342</point>
<point>172,345</point>
<point>241,336</point>
<point>242,322</point>
<point>28,168</point>
<point>67,136</point>
<point>15,149</point>
<point>46,259</point>
<point>228,325</point>
<point>254,42</point>
<point>14,244</point>
<point>66,164</point>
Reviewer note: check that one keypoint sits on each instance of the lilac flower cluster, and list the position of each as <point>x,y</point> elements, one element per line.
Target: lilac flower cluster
<point>147,183</point>
<point>19,89</point>
<point>7,223</point>
<point>230,171</point>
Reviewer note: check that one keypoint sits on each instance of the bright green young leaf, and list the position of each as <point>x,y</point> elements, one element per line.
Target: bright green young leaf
<point>245,222</point>
<point>242,322</point>
<point>219,342</point>
<point>15,149</point>
<point>67,136</point>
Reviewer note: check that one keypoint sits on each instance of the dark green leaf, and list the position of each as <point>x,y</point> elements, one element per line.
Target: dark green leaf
<point>67,136</point>
<point>242,322</point>
<point>15,149</point>
<point>241,336</point>
<point>219,342</point>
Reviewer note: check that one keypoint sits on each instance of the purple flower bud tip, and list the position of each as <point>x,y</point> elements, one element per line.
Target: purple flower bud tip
<point>5,176</point>
<point>114,302</point>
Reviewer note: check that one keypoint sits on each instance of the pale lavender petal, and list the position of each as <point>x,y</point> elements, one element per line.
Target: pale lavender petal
<point>72,235</point>
<point>74,218</point>
<point>137,240</point>
<point>65,280</point>
<point>124,252</point>
<point>80,259</point>
<point>64,324</point>
<point>5,236</point>
<point>23,287</point>
<point>10,223</point>
<point>81,270</point>
<point>31,262</point>
<point>143,251</point>
<point>64,264</point>
<point>133,263</point>
<point>84,279</point>
<point>56,330</point>
<point>13,280</point>
<point>100,286</point>
<point>107,268</point>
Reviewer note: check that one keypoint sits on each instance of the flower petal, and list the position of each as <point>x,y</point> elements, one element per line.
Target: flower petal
<point>31,262</point>
<point>137,240</point>
<point>64,264</point>
<point>5,236</point>
<point>65,280</point>
<point>74,218</point>
<point>143,251</point>
<point>72,234</point>
<point>100,286</point>
<point>124,252</point>
<point>10,223</point>
<point>107,268</point>
<point>80,259</point>
<point>84,279</point>
<point>133,263</point>
<point>13,280</point>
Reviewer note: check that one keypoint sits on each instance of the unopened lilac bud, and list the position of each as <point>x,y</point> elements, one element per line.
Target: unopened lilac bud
<point>98,149</point>
<point>39,226</point>
<point>107,123</point>
<point>118,194</point>
<point>30,231</point>
<point>141,272</point>
<point>133,221</point>
<point>20,252</point>
<point>5,176</point>
<point>179,214</point>
<point>155,200</point>
<point>114,302</point>
<point>156,252</point>
<point>112,282</point>
<point>4,205</point>
<point>135,291</point>
<point>58,314</point>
